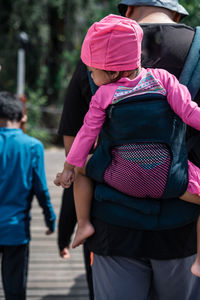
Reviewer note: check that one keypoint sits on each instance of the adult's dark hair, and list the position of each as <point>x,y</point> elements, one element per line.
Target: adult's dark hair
<point>11,107</point>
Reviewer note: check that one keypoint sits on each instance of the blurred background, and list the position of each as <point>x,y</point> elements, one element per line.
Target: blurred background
<point>40,44</point>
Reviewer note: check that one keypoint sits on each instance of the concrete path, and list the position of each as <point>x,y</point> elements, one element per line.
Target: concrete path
<point>50,277</point>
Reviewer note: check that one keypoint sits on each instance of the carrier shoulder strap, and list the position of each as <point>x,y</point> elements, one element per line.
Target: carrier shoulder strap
<point>190,76</point>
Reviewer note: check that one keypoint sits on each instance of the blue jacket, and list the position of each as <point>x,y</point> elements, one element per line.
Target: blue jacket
<point>22,175</point>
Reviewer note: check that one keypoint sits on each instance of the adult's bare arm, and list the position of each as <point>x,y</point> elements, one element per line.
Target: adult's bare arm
<point>68,141</point>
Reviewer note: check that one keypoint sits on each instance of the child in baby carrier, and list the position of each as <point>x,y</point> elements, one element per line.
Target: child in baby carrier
<point>112,52</point>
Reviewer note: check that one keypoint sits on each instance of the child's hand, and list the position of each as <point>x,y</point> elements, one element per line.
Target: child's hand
<point>65,253</point>
<point>67,177</point>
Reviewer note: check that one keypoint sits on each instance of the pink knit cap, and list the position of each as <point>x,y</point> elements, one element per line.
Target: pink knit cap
<point>113,44</point>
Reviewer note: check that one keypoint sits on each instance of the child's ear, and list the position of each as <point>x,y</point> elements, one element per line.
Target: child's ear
<point>115,75</point>
<point>126,73</point>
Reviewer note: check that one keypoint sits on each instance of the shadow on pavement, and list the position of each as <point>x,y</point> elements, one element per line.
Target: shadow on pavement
<point>76,292</point>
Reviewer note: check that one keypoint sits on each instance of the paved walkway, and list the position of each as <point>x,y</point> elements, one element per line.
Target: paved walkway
<point>50,277</point>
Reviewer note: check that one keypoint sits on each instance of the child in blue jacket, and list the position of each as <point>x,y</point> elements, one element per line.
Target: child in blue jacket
<point>22,176</point>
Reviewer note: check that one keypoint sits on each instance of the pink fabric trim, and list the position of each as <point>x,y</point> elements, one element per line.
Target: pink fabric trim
<point>194,179</point>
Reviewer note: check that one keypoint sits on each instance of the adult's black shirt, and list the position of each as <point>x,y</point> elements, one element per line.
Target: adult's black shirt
<point>164,46</point>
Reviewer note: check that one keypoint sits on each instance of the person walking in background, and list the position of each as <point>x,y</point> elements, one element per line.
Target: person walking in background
<point>22,176</point>
<point>144,252</point>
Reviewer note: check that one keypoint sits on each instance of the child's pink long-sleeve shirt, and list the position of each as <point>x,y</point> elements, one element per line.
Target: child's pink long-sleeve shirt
<point>149,80</point>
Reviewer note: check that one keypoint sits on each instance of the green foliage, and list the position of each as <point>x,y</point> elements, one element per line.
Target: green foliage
<point>193,7</point>
<point>34,127</point>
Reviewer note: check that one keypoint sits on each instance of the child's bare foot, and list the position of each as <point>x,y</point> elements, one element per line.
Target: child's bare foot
<point>195,269</point>
<point>82,233</point>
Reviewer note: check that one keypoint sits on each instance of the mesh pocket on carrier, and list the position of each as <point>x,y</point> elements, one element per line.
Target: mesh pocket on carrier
<point>139,169</point>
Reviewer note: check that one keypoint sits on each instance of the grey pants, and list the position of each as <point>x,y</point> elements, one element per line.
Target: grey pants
<point>120,278</point>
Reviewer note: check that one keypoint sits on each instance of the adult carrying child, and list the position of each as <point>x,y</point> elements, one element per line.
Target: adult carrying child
<point>153,142</point>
